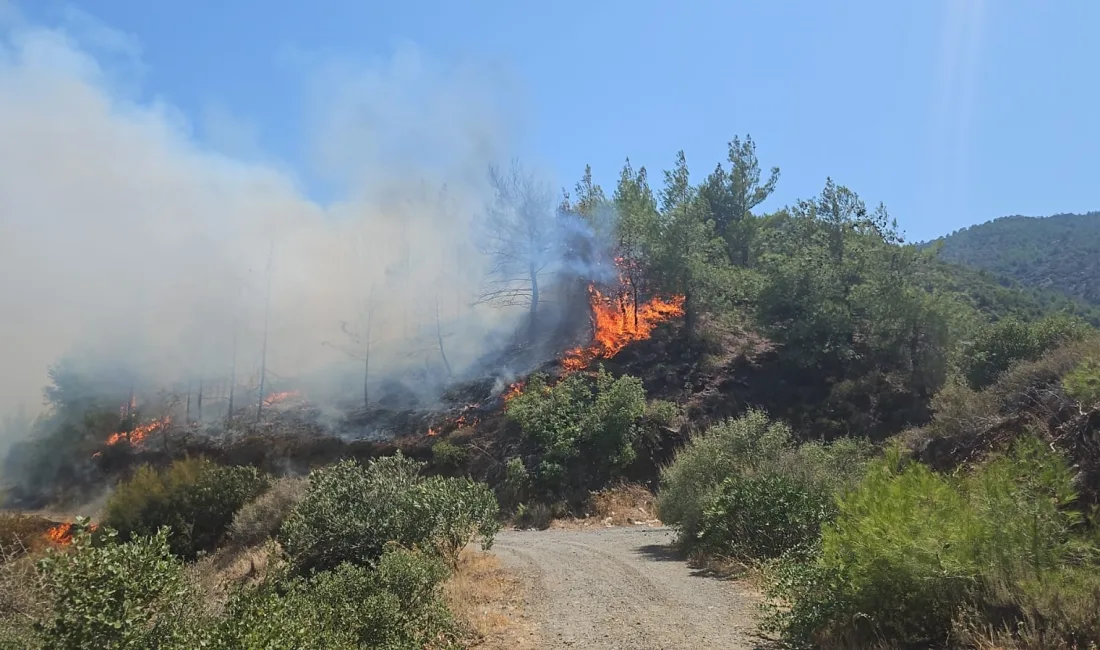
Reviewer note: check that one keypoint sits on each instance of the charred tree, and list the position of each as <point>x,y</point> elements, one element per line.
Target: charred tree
<point>263,353</point>
<point>520,238</point>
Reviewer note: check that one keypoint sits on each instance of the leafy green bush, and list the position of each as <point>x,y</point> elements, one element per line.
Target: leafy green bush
<point>447,455</point>
<point>753,446</point>
<point>396,606</point>
<point>261,518</point>
<point>194,497</point>
<point>350,513</point>
<point>107,594</point>
<point>762,516</point>
<point>1083,383</point>
<point>278,616</point>
<point>461,510</point>
<point>517,481</point>
<point>999,345</point>
<point>583,429</point>
<point>911,550</point>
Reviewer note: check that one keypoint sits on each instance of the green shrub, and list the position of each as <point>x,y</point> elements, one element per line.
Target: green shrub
<point>396,606</point>
<point>999,345</point>
<point>731,448</point>
<point>763,516</point>
<point>749,446</point>
<point>517,481</point>
<point>910,551</point>
<point>583,429</point>
<point>194,497</point>
<point>261,518</point>
<point>461,510</point>
<point>662,412</point>
<point>1083,383</point>
<point>278,616</point>
<point>350,513</point>
<point>448,455</point>
<point>108,594</point>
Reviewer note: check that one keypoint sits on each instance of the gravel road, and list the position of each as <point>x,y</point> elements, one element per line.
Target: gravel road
<point>624,589</point>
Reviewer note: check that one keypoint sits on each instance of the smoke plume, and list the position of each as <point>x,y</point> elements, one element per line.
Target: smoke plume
<point>126,240</point>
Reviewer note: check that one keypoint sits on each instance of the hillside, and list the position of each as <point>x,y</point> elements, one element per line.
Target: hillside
<point>1057,253</point>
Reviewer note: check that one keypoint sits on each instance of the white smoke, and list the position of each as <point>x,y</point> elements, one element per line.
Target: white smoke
<point>125,237</point>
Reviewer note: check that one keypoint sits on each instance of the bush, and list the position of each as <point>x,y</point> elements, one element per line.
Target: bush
<point>911,551</point>
<point>583,430</point>
<point>261,518</point>
<point>117,595</point>
<point>396,605</point>
<point>1000,345</point>
<point>1083,383</point>
<point>350,513</point>
<point>448,455</point>
<point>194,497</point>
<point>517,481</point>
<point>752,446</point>
<point>762,516</point>
<point>461,510</point>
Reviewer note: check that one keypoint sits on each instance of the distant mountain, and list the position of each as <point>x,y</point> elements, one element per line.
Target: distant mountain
<point>1059,253</point>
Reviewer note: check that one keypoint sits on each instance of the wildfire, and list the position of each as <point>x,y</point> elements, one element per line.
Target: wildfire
<point>275,398</point>
<point>463,421</point>
<point>617,323</point>
<point>139,433</point>
<point>513,390</point>
<point>432,432</point>
<point>62,534</point>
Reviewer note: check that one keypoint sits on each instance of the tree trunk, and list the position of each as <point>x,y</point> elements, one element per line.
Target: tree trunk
<point>439,338</point>
<point>534,301</point>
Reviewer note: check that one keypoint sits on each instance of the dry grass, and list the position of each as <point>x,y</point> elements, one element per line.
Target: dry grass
<point>261,518</point>
<point>627,504</point>
<point>489,603</point>
<point>216,575</point>
<point>22,533</point>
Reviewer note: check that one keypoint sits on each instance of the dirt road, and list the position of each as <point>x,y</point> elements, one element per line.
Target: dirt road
<point>624,589</point>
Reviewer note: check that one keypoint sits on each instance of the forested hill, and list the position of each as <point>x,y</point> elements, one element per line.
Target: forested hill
<point>1060,253</point>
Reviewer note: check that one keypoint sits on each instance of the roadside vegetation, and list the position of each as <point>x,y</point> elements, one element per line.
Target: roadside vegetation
<point>359,561</point>
<point>904,452</point>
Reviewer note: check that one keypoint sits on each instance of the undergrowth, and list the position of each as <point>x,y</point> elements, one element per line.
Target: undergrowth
<point>916,558</point>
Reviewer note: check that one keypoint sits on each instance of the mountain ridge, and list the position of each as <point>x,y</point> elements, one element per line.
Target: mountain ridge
<point>1055,253</point>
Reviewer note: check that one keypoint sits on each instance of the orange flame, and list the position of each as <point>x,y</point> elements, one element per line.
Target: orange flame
<point>432,432</point>
<point>513,391</point>
<point>62,534</point>
<point>617,323</point>
<point>275,398</point>
<point>139,433</point>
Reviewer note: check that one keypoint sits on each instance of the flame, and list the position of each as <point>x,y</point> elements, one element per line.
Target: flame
<point>463,421</point>
<point>616,323</point>
<point>60,534</point>
<point>275,398</point>
<point>513,390</point>
<point>432,432</point>
<point>139,433</point>
<point>63,533</point>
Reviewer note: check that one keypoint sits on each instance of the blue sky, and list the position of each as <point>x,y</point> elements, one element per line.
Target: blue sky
<point>951,112</point>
